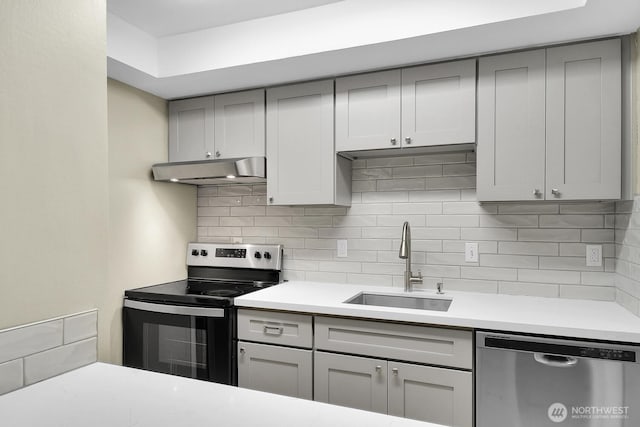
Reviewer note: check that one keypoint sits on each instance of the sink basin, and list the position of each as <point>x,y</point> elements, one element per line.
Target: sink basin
<point>401,301</point>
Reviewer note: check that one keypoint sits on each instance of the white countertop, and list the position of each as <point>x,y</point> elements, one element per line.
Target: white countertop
<point>101,395</point>
<point>549,316</point>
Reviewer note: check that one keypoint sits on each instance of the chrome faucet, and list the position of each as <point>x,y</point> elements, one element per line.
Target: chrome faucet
<point>405,253</point>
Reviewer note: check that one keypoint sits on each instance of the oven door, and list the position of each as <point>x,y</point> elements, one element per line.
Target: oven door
<point>194,342</point>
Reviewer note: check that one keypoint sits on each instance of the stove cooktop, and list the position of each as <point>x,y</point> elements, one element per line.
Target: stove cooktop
<point>195,292</point>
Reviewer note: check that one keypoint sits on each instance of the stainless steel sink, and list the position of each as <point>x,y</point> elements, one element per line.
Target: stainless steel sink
<point>401,301</point>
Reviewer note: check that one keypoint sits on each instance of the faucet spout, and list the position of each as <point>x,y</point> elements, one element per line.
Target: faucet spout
<point>405,253</point>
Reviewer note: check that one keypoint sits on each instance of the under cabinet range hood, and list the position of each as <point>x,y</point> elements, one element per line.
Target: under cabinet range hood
<point>206,172</point>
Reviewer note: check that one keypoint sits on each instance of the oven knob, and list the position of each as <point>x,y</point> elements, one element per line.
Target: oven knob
<point>267,255</point>
<point>204,252</point>
<point>195,252</point>
<point>257,255</point>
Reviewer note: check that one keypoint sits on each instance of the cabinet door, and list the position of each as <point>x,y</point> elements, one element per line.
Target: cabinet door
<point>511,126</point>
<point>439,104</point>
<point>300,150</point>
<point>368,111</point>
<point>191,127</point>
<point>584,121</point>
<point>239,124</point>
<point>436,395</point>
<point>356,382</point>
<point>279,370</point>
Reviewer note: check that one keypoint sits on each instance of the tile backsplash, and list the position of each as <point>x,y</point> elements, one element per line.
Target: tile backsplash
<point>524,248</point>
<point>42,350</point>
<point>628,254</point>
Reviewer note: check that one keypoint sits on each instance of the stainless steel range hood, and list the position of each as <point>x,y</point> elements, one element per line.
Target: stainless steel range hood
<point>226,171</point>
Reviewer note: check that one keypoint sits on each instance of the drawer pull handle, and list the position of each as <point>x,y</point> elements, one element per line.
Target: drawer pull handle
<point>242,350</point>
<point>378,368</point>
<point>395,371</point>
<point>273,330</point>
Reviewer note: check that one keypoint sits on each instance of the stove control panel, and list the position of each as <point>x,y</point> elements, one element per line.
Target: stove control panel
<point>237,255</point>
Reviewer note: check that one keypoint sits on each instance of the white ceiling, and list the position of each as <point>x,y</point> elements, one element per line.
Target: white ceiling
<point>174,56</point>
<point>161,18</point>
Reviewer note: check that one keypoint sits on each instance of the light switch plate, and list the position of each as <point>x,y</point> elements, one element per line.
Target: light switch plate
<point>471,252</point>
<point>594,255</point>
<point>342,249</point>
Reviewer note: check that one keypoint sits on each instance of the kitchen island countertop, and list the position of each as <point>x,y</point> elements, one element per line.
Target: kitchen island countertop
<point>102,395</point>
<point>599,320</point>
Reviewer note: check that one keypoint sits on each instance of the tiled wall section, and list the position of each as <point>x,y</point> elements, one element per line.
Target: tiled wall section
<point>628,255</point>
<point>525,248</point>
<point>42,350</point>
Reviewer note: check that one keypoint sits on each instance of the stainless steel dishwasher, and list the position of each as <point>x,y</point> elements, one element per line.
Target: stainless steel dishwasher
<point>525,381</point>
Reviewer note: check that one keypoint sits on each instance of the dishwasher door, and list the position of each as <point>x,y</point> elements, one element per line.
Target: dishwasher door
<point>524,381</point>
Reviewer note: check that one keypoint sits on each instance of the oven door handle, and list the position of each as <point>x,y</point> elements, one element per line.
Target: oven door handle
<point>174,309</point>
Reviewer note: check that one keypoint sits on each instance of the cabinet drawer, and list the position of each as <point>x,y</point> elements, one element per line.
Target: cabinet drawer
<point>422,344</point>
<point>274,327</point>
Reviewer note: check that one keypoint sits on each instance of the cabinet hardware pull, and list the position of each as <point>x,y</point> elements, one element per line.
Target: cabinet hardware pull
<point>407,140</point>
<point>242,350</point>
<point>217,154</point>
<point>378,368</point>
<point>208,154</point>
<point>393,141</point>
<point>395,371</point>
<point>555,192</point>
<point>270,199</point>
<point>273,330</point>
<point>536,192</point>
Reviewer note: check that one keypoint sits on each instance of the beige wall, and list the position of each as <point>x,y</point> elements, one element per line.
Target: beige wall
<point>53,158</point>
<point>150,222</point>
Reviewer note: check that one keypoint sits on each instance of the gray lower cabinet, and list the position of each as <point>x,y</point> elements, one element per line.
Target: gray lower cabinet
<point>356,382</point>
<point>427,393</point>
<point>268,359</point>
<point>275,369</point>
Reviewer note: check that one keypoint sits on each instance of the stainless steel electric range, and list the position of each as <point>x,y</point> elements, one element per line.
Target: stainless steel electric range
<point>188,327</point>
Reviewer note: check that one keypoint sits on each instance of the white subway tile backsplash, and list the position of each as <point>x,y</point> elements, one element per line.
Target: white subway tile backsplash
<point>56,361</point>
<point>488,273</point>
<point>417,171</point>
<point>604,293</point>
<point>531,289</point>
<point>434,196</point>
<point>509,261</point>
<point>528,248</point>
<point>571,221</point>
<point>80,327</point>
<point>11,376</point>
<point>22,341</point>
<point>401,184</point>
<point>44,349</point>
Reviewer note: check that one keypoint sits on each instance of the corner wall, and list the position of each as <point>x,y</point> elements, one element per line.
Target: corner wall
<point>150,222</point>
<point>53,158</point>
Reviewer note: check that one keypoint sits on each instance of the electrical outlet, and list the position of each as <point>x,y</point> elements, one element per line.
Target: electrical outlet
<point>594,255</point>
<point>342,248</point>
<point>471,252</point>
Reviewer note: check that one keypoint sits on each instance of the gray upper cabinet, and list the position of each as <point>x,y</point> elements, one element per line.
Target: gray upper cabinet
<point>368,111</point>
<point>549,124</point>
<point>511,126</point>
<point>439,104</point>
<point>584,121</point>
<point>413,107</point>
<point>303,166</point>
<point>239,124</point>
<point>191,129</point>
<point>217,127</point>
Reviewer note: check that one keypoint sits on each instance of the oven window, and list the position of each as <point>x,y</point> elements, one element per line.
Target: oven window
<point>182,350</point>
<point>189,346</point>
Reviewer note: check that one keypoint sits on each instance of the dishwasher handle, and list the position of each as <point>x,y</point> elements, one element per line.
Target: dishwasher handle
<point>555,360</point>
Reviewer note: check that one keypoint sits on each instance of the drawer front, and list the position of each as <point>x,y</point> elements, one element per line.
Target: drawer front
<point>422,344</point>
<point>276,328</point>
